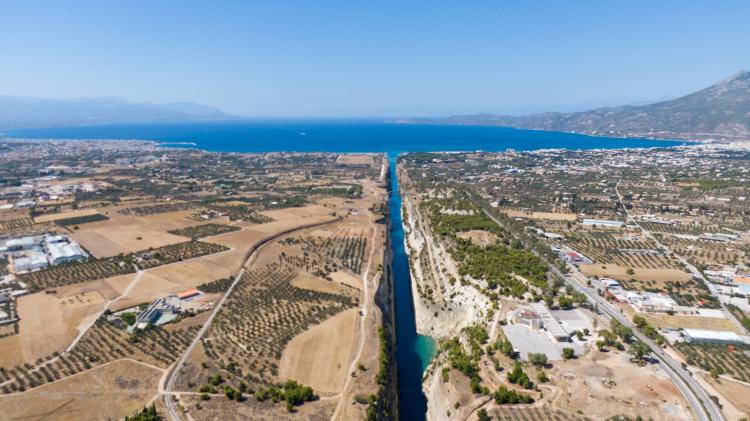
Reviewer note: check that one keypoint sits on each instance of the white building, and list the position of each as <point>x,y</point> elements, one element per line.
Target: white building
<point>24,243</point>
<point>33,261</point>
<point>64,253</point>
<point>603,223</point>
<point>712,336</point>
<point>550,323</point>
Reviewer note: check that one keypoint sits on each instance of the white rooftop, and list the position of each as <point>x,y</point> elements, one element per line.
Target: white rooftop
<point>719,335</point>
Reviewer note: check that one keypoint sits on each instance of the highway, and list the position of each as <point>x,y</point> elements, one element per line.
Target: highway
<point>703,406</point>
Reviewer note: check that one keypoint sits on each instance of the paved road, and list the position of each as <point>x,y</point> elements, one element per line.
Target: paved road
<point>169,395</point>
<point>703,407</point>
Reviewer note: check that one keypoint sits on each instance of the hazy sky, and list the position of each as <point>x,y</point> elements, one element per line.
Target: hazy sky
<point>372,58</point>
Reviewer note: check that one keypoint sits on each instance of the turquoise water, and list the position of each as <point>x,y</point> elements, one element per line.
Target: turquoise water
<point>413,351</point>
<point>426,348</point>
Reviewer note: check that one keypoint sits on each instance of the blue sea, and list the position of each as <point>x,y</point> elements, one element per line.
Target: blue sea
<point>413,351</point>
<point>337,136</point>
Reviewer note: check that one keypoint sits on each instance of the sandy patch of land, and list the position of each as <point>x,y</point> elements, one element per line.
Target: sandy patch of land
<point>10,351</point>
<point>641,274</point>
<point>737,394</point>
<point>315,283</point>
<point>479,237</point>
<point>608,384</point>
<point>346,279</point>
<point>49,322</point>
<point>356,159</point>
<point>319,357</point>
<point>126,234</point>
<point>293,217</point>
<point>106,392</point>
<point>243,238</point>
<point>170,220</point>
<point>661,320</point>
<point>64,215</point>
<point>554,216</point>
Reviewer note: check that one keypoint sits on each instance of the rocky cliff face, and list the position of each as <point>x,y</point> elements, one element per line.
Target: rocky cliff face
<point>441,309</point>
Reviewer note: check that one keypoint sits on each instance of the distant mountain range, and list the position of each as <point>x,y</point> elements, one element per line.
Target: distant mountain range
<point>720,112</point>
<point>29,112</point>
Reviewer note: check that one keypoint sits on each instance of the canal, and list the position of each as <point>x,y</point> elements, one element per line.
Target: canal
<point>413,351</point>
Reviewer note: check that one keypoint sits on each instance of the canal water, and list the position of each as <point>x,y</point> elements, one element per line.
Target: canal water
<point>413,351</point>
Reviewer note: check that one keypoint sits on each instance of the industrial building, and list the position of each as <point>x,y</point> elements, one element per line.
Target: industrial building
<point>38,252</point>
<point>60,252</point>
<point>702,336</point>
<point>550,323</point>
<point>603,223</point>
<point>537,317</point>
<point>19,244</point>
<point>189,294</point>
<point>32,261</point>
<point>159,312</point>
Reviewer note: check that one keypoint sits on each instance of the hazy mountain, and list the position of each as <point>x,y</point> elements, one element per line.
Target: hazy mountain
<point>721,111</point>
<point>24,112</point>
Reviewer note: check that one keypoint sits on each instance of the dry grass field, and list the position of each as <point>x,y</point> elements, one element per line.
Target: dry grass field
<point>127,234</point>
<point>660,276</point>
<point>661,320</point>
<point>10,351</point>
<point>356,159</point>
<point>479,237</point>
<point>49,322</point>
<point>315,283</point>
<point>320,356</point>
<point>346,279</point>
<point>552,216</point>
<point>110,391</point>
<point>736,393</point>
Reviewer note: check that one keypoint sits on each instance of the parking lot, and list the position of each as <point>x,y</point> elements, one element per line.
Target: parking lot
<point>526,340</point>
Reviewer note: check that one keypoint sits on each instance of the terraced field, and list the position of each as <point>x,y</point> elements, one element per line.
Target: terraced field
<point>544,413</point>
<point>718,359</point>
<point>262,315</point>
<point>206,230</point>
<point>79,220</point>
<point>176,253</point>
<point>73,273</point>
<point>604,247</point>
<point>102,343</point>
<point>326,254</point>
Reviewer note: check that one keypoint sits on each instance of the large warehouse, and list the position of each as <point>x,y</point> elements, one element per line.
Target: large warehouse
<point>702,336</point>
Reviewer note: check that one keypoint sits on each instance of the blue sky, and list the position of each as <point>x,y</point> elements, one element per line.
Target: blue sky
<point>372,58</point>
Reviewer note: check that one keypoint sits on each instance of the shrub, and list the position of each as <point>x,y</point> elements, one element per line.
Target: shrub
<point>568,353</point>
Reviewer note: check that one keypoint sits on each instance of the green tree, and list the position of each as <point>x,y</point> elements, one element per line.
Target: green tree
<point>565,302</point>
<point>568,353</point>
<point>638,350</point>
<point>128,318</point>
<point>538,359</point>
